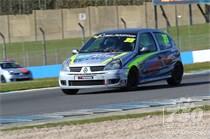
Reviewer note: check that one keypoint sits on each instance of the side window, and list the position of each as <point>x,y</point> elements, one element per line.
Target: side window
<point>163,40</point>
<point>146,40</point>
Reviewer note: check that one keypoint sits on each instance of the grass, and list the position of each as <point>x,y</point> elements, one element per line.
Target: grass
<point>194,37</point>
<point>31,53</point>
<point>197,67</point>
<point>53,82</point>
<point>34,84</point>
<point>107,118</point>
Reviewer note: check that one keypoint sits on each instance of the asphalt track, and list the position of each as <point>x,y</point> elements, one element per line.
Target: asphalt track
<point>51,101</point>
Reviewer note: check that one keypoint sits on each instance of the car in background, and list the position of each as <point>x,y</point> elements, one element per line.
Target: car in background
<point>11,72</point>
<point>124,59</point>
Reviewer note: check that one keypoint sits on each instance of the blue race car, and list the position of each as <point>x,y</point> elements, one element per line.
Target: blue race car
<point>123,59</point>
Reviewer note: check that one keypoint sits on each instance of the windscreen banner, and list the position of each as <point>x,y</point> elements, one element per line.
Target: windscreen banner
<point>163,2</point>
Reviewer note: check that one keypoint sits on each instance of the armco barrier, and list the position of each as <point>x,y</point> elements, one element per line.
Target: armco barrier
<point>53,70</point>
<point>187,57</point>
<point>48,71</point>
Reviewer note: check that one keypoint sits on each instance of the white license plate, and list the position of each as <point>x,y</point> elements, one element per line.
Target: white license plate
<point>82,77</point>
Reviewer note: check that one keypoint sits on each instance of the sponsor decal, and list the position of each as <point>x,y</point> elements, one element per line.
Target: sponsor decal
<point>139,59</point>
<point>23,70</point>
<point>115,57</point>
<point>115,35</point>
<point>103,58</point>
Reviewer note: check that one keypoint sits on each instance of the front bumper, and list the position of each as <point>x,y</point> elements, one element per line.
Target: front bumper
<point>103,79</point>
<point>14,78</point>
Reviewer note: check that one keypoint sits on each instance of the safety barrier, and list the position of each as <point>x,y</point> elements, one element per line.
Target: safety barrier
<point>188,57</point>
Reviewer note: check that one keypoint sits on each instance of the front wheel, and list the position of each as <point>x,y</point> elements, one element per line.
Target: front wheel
<point>70,91</point>
<point>132,82</point>
<point>3,80</point>
<point>176,75</point>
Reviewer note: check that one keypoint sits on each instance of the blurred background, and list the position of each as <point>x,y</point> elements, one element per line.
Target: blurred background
<point>43,32</point>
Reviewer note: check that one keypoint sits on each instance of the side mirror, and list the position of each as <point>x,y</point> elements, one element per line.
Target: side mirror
<point>75,51</point>
<point>144,50</point>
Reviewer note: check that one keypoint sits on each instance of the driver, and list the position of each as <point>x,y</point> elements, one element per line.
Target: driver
<point>109,44</point>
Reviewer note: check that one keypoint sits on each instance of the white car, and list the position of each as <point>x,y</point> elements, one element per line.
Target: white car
<point>11,72</point>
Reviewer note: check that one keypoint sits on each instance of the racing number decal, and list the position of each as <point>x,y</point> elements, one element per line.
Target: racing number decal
<point>165,39</point>
<point>129,40</point>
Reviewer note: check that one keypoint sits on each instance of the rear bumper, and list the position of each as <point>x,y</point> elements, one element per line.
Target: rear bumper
<point>104,79</point>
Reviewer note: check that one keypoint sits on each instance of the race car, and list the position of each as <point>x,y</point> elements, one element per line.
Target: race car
<point>11,71</point>
<point>124,59</point>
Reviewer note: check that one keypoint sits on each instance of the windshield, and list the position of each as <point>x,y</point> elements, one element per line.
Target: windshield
<point>9,65</point>
<point>110,43</point>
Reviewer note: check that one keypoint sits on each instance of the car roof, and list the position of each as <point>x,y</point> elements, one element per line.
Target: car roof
<point>130,30</point>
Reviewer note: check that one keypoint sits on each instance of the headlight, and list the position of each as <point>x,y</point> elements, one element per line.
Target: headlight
<point>11,73</point>
<point>115,64</point>
<point>65,65</point>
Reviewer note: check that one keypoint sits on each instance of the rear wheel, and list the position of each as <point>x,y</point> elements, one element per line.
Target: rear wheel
<point>176,75</point>
<point>3,80</point>
<point>70,91</point>
<point>133,79</point>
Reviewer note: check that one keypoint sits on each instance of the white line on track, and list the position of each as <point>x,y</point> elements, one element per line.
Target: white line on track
<point>29,91</point>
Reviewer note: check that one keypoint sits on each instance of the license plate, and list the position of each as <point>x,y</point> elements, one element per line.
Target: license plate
<point>83,77</point>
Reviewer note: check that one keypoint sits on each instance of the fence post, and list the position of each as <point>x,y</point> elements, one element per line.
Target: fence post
<point>4,46</point>
<point>146,13</point>
<point>62,24</point>
<point>177,27</point>
<point>35,25</point>
<point>124,22</point>
<point>156,16</point>
<point>83,32</point>
<point>190,14</point>
<point>44,46</point>
<point>8,29</point>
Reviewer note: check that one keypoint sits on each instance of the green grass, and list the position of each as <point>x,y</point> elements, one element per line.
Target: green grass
<point>107,118</point>
<point>34,84</point>
<point>194,37</point>
<point>31,53</point>
<point>197,67</point>
<point>53,82</point>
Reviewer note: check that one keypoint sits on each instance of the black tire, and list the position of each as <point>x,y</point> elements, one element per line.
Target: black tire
<point>3,80</point>
<point>176,75</point>
<point>70,91</point>
<point>133,79</point>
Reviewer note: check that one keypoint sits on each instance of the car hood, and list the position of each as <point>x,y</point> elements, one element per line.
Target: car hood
<point>95,58</point>
<point>17,70</point>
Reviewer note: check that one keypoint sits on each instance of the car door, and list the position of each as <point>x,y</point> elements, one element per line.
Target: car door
<point>167,53</point>
<point>151,66</point>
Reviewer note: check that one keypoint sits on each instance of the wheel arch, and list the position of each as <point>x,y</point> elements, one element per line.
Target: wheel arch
<point>179,63</point>
<point>134,68</point>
